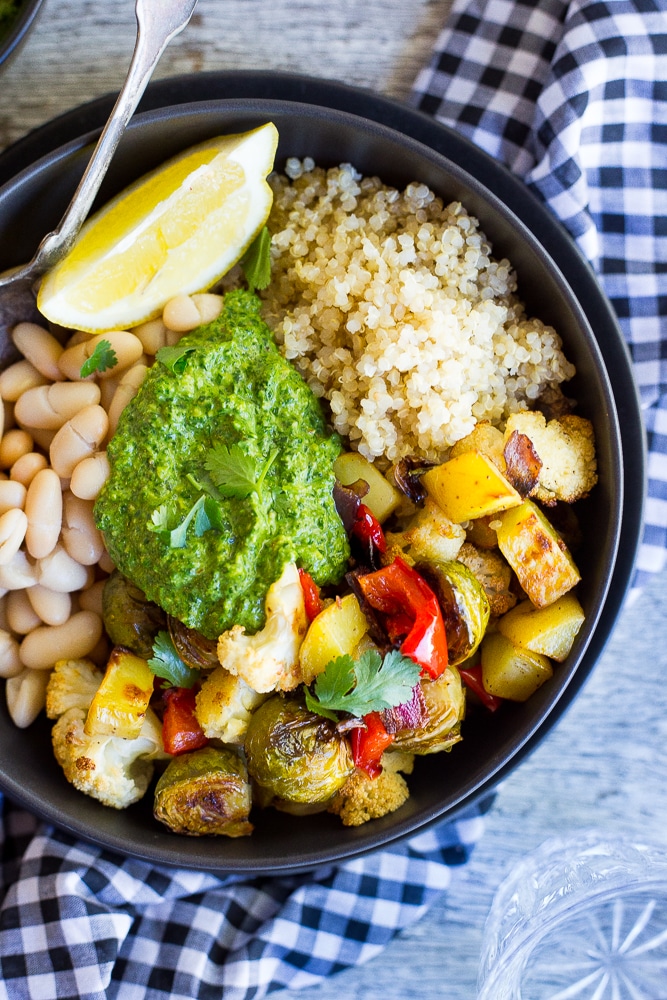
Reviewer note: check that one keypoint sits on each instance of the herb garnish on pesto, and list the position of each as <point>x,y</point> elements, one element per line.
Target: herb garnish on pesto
<point>221,474</point>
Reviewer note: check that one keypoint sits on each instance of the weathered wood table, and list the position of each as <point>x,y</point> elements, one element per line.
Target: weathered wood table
<point>605,764</point>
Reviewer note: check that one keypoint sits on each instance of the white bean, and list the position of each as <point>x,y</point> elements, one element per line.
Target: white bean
<point>13,525</point>
<point>77,439</point>
<point>43,508</point>
<point>26,696</point>
<point>185,312</point>
<point>21,615</point>
<point>127,390</point>
<point>42,438</point>
<point>43,647</point>
<point>4,624</point>
<point>12,494</point>
<point>14,444</point>
<point>18,573</point>
<point>89,476</point>
<point>58,571</point>
<point>92,598</point>
<point>40,348</point>
<point>19,378</point>
<point>26,467</point>
<point>127,348</point>
<point>48,407</point>
<point>152,334</point>
<point>53,607</point>
<point>10,661</point>
<point>80,535</point>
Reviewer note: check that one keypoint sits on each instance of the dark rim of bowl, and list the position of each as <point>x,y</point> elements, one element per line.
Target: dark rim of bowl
<point>371,842</point>
<point>20,26</point>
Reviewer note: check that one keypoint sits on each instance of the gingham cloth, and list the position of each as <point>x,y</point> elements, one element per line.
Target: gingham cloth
<point>573,98</point>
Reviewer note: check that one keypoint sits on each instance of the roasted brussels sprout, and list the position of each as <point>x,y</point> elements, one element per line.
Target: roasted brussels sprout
<point>193,648</point>
<point>130,619</point>
<point>464,604</point>
<point>205,792</point>
<point>294,753</point>
<point>445,708</point>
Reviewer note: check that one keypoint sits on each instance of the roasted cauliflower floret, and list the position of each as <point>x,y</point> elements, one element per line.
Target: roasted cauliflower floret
<point>362,798</point>
<point>566,448</point>
<point>72,684</point>
<point>113,770</point>
<point>269,660</point>
<point>224,706</point>
<point>428,537</point>
<point>493,573</point>
<point>486,439</point>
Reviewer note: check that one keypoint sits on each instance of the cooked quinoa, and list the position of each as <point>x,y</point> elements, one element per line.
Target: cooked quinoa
<point>394,310</point>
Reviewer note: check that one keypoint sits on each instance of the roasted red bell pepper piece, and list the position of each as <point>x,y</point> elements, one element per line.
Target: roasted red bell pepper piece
<point>181,731</point>
<point>398,590</point>
<point>472,678</point>
<point>369,743</point>
<point>368,529</point>
<point>311,595</point>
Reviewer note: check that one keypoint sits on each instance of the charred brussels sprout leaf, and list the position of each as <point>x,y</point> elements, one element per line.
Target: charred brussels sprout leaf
<point>296,755</point>
<point>193,648</point>
<point>464,604</point>
<point>205,792</point>
<point>130,619</point>
<point>445,708</point>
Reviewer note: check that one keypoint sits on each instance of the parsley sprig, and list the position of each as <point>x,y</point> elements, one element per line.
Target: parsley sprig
<point>167,664</point>
<point>369,684</point>
<point>102,358</point>
<point>175,358</point>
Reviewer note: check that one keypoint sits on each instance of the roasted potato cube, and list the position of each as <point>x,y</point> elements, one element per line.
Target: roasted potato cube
<point>550,631</point>
<point>120,703</point>
<point>537,554</point>
<point>469,486</point>
<point>511,672</point>
<point>382,498</point>
<point>336,631</point>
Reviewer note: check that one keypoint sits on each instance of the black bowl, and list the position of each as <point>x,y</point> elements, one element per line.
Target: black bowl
<point>13,34</point>
<point>442,785</point>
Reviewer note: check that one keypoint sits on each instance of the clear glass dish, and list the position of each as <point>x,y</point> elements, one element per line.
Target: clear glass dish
<point>584,918</point>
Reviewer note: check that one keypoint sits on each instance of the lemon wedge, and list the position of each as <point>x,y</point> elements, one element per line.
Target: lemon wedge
<point>176,230</point>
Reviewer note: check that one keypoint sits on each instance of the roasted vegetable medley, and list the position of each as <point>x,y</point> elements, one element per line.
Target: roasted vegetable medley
<point>270,619</point>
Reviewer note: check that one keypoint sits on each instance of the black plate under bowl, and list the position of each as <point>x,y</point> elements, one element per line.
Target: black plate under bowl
<point>445,783</point>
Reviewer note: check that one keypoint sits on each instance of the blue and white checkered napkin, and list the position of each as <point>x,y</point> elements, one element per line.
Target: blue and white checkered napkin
<point>573,98</point>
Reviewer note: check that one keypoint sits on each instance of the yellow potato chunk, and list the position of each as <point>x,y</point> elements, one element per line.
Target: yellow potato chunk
<point>469,486</point>
<point>511,672</point>
<point>537,554</point>
<point>382,498</point>
<point>120,703</point>
<point>336,631</point>
<point>550,631</point>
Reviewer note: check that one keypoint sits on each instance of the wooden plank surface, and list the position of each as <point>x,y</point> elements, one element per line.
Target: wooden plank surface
<point>605,765</point>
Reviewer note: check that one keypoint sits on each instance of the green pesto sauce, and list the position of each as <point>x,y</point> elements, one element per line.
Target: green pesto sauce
<point>236,388</point>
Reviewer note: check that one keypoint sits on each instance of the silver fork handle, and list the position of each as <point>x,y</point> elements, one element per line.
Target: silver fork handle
<point>158,21</point>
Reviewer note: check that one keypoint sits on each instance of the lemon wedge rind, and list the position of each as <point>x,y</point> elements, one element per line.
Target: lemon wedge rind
<point>177,230</point>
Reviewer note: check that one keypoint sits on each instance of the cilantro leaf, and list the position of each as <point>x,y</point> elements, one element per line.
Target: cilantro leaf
<point>174,358</point>
<point>102,358</point>
<point>205,512</point>
<point>256,261</point>
<point>167,664</point>
<point>233,472</point>
<point>368,684</point>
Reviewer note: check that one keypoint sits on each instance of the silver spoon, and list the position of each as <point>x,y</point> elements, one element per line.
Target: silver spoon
<point>158,21</point>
